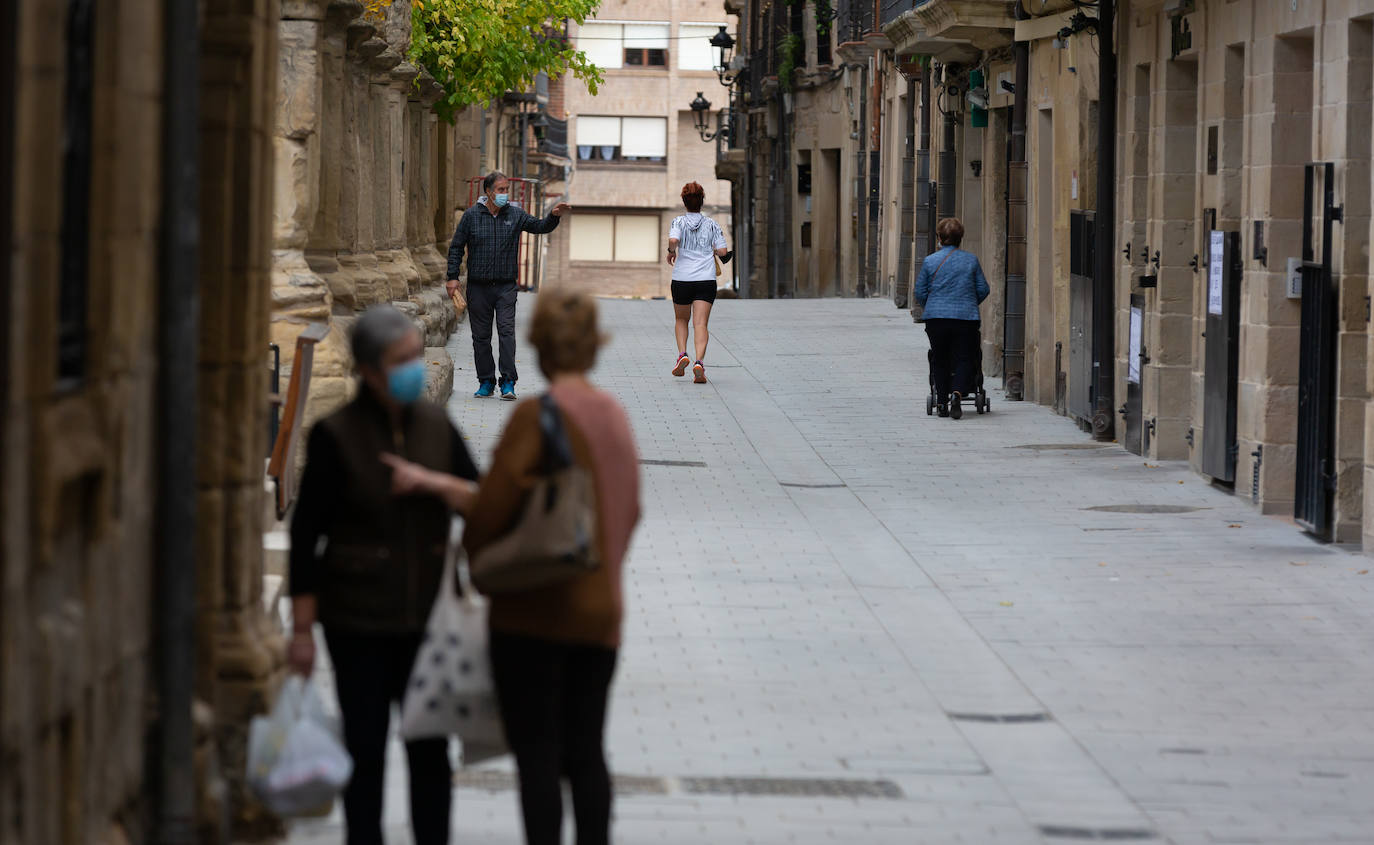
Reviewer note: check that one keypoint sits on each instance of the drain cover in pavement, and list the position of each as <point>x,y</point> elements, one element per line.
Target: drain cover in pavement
<point>1000,718</point>
<point>1057,447</point>
<point>1144,509</point>
<point>650,462</point>
<point>1096,834</point>
<point>792,787</point>
<point>694,785</point>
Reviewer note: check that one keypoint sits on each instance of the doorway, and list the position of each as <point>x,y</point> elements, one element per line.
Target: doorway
<point>1316,479</point>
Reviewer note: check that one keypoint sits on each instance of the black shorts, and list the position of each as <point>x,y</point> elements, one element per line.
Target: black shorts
<point>685,293</point>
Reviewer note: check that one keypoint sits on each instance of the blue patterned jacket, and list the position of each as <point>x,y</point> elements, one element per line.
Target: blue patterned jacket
<point>955,291</point>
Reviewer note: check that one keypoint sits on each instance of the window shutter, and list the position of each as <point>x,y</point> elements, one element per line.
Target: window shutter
<point>598,131</point>
<point>694,50</point>
<point>592,236</point>
<point>644,137</point>
<point>646,36</point>
<point>637,237</point>
<point>602,43</point>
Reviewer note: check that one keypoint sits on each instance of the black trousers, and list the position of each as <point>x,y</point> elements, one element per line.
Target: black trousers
<point>371,671</point>
<point>954,356</point>
<point>490,302</point>
<point>553,703</point>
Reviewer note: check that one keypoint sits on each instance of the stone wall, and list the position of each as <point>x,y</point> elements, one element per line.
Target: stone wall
<point>76,566</point>
<point>363,174</point>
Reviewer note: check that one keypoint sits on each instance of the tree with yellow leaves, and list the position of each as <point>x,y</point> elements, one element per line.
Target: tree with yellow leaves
<point>480,49</point>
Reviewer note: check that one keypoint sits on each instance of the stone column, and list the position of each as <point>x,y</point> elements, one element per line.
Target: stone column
<point>300,295</point>
<point>241,652</point>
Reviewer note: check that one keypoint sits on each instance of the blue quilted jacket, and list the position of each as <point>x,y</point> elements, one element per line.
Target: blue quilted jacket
<point>952,293</point>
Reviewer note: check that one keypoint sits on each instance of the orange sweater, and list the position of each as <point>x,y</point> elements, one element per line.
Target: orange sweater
<point>589,608</point>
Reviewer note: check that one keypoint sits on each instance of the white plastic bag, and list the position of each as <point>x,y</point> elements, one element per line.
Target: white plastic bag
<point>451,690</point>
<point>297,764</point>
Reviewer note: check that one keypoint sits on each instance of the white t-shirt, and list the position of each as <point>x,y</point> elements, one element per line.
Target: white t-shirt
<point>698,239</point>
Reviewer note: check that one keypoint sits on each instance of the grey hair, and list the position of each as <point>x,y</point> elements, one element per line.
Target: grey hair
<point>377,329</point>
<point>492,178</point>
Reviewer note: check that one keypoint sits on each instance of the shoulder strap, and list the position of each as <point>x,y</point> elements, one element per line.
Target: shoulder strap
<point>557,448</point>
<point>942,263</point>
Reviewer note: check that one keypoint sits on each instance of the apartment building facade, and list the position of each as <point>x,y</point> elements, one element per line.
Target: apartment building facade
<point>634,144</point>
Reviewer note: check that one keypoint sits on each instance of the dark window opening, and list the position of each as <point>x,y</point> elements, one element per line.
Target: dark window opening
<point>74,268</point>
<point>646,57</point>
<point>803,178</point>
<point>795,27</point>
<point>1212,132</point>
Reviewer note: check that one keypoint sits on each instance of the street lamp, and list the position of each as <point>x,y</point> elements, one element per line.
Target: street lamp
<point>724,43</point>
<point>701,117</point>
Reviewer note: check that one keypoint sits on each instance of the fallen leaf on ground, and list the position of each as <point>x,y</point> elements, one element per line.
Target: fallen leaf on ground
<point>1234,525</point>
<point>1297,563</point>
<point>1363,572</point>
<point>1006,603</point>
<point>1102,564</point>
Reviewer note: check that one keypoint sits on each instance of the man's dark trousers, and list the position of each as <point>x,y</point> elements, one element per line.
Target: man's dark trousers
<point>488,301</point>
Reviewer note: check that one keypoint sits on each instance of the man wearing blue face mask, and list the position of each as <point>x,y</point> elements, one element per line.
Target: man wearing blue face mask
<point>384,476</point>
<point>489,233</point>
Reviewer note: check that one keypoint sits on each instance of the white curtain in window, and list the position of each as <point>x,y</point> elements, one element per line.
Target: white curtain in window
<point>602,43</point>
<point>646,36</point>
<point>644,136</point>
<point>637,238</point>
<point>592,236</point>
<point>598,131</point>
<point>694,50</point>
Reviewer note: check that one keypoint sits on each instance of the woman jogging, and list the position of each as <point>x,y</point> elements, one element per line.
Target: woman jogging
<point>694,243</point>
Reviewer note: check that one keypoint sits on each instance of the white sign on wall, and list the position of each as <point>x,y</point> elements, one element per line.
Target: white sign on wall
<point>1133,351</point>
<point>1215,268</point>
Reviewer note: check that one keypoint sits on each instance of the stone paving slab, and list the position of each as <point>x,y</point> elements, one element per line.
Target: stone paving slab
<point>831,586</point>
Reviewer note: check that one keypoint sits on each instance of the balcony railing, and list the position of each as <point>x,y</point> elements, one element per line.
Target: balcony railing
<point>853,20</point>
<point>893,9</point>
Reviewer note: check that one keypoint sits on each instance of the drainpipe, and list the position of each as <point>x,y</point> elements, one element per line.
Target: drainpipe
<point>1104,277</point>
<point>1018,184</point>
<point>924,207</point>
<point>944,196</point>
<point>861,190</point>
<point>901,291</point>
<point>482,144</point>
<point>875,163</point>
<point>177,377</point>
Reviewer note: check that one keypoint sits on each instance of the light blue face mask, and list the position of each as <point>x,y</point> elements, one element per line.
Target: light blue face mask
<point>501,200</point>
<point>406,382</point>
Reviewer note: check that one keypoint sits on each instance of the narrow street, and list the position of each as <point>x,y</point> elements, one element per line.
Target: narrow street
<point>851,622</point>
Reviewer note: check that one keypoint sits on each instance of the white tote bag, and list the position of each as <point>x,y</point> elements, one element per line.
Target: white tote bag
<point>451,690</point>
<point>296,763</point>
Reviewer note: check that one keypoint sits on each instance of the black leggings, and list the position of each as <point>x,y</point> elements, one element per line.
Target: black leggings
<point>371,671</point>
<point>954,356</point>
<point>553,702</point>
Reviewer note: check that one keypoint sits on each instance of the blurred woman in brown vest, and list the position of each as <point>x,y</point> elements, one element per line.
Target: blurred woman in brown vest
<point>383,477</point>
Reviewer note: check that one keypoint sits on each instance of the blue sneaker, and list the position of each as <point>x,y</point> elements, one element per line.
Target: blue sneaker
<point>508,391</point>
<point>486,390</point>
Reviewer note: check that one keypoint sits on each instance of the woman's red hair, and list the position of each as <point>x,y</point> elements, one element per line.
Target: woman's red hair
<point>693,195</point>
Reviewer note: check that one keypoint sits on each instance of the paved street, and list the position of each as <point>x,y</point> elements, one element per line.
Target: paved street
<point>851,622</point>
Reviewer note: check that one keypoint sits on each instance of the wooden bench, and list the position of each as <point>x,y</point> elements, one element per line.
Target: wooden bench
<point>281,468</point>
